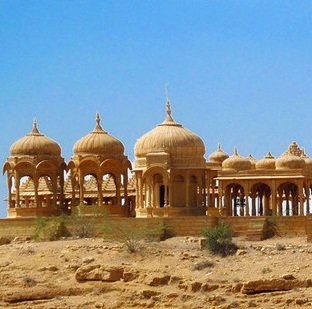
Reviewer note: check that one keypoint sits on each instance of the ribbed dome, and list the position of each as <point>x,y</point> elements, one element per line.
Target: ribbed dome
<point>308,162</point>
<point>218,156</point>
<point>236,162</point>
<point>34,144</point>
<point>267,163</point>
<point>99,142</point>
<point>289,161</point>
<point>252,160</point>
<point>172,138</point>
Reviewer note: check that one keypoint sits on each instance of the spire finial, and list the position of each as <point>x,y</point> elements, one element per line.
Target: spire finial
<point>219,146</point>
<point>35,127</point>
<point>235,151</point>
<point>98,127</point>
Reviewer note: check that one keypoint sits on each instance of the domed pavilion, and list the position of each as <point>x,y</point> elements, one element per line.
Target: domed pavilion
<point>98,157</point>
<point>269,187</point>
<point>35,162</point>
<point>170,171</point>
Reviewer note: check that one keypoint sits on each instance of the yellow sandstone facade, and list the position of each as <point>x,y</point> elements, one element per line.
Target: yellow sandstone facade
<point>170,177</point>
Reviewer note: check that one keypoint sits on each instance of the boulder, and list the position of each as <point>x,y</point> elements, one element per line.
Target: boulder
<point>158,281</point>
<point>271,285</point>
<point>99,273</point>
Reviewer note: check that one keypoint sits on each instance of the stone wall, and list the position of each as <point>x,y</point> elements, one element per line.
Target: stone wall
<point>182,226</point>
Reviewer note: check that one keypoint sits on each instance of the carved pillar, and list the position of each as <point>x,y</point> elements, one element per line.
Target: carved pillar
<point>54,189</point>
<point>187,190</point>
<point>17,188</point>
<point>100,191</point>
<point>9,182</point>
<point>213,198</point>
<point>307,199</point>
<point>118,184</point>
<point>125,184</point>
<point>81,190</point>
<point>36,184</point>
<point>300,197</point>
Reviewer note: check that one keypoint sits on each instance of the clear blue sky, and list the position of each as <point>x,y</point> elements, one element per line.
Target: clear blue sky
<point>239,72</point>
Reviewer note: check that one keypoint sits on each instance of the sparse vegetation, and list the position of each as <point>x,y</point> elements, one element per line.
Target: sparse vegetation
<point>50,229</point>
<point>280,247</point>
<point>28,281</point>
<point>270,229</point>
<point>219,240</point>
<point>159,233</point>
<point>266,270</point>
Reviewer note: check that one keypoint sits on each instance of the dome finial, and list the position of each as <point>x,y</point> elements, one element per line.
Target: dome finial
<point>35,127</point>
<point>219,147</point>
<point>98,127</point>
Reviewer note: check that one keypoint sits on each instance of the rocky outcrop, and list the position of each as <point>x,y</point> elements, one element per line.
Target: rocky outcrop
<point>99,273</point>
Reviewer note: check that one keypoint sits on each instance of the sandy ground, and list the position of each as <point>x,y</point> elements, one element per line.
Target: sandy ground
<point>163,274</point>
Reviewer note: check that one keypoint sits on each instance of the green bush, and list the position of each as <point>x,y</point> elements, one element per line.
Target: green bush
<point>219,240</point>
<point>50,229</point>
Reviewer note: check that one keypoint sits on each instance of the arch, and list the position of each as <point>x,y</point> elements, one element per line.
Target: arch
<point>46,164</point>
<point>110,164</point>
<point>235,200</point>
<point>288,198</point>
<point>126,164</point>
<point>6,168</point>
<point>156,169</point>
<point>24,165</point>
<point>89,166</point>
<point>70,166</point>
<point>260,199</point>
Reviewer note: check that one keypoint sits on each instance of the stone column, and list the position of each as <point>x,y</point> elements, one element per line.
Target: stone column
<point>273,199</point>
<point>187,190</point>
<point>300,197</point>
<point>118,183</point>
<point>100,190</point>
<point>17,188</point>
<point>36,184</point>
<point>9,183</point>
<point>54,188</point>
<point>125,184</point>
<point>253,204</point>
<point>308,200</point>
<point>81,190</point>
<point>213,198</point>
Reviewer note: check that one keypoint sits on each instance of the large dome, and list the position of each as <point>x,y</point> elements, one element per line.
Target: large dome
<point>34,144</point>
<point>99,142</point>
<point>172,138</point>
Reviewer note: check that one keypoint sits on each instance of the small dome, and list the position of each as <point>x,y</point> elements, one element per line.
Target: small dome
<point>34,144</point>
<point>308,162</point>
<point>290,161</point>
<point>236,162</point>
<point>218,156</point>
<point>172,138</point>
<point>99,142</point>
<point>267,163</point>
<point>252,160</point>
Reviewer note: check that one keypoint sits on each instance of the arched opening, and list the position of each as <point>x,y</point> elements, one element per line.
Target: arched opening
<point>288,199</point>
<point>26,190</point>
<point>45,192</point>
<point>109,189</point>
<point>235,201</point>
<point>158,191</point>
<point>261,200</point>
<point>90,190</point>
